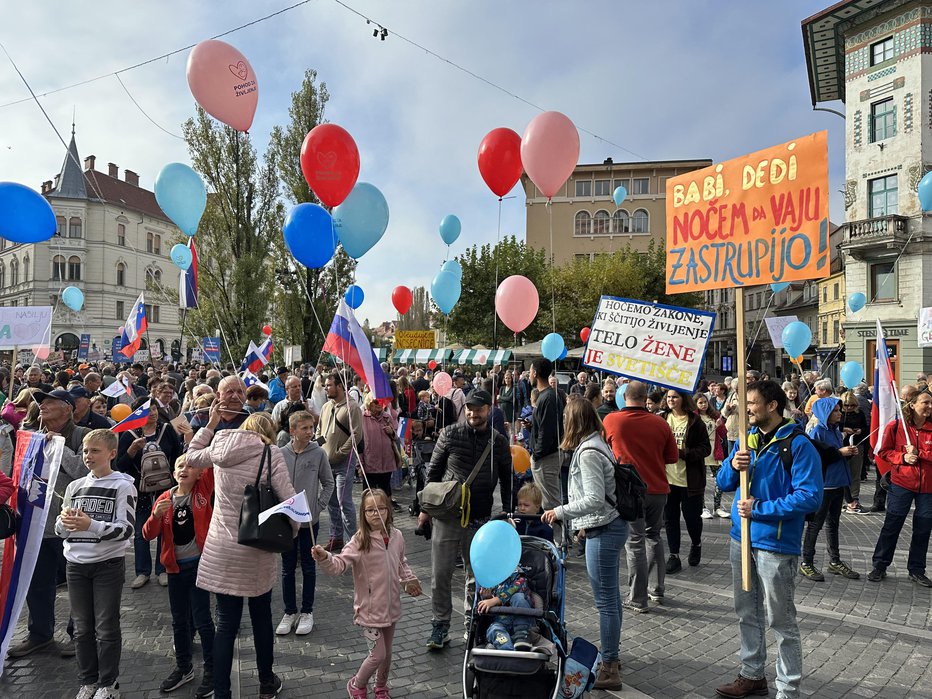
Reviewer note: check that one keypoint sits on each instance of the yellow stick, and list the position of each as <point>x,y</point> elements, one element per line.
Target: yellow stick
<point>741,365</point>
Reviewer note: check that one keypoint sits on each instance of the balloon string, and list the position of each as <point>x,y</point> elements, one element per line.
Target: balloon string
<point>553,288</point>
<point>497,244</point>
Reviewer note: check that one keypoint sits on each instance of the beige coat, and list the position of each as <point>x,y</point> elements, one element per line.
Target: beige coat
<point>226,567</point>
<point>337,444</point>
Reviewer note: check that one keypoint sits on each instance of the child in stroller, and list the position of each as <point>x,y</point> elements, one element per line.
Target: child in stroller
<point>508,632</point>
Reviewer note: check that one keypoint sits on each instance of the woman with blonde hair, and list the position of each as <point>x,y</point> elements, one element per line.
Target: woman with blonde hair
<point>15,411</point>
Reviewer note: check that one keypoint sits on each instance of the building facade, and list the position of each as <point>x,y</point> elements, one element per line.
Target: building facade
<point>831,325</point>
<point>112,243</point>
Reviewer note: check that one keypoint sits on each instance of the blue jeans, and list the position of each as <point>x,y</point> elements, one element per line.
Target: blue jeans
<point>899,500</point>
<point>229,616</point>
<point>512,625</point>
<point>187,602</point>
<point>40,597</point>
<point>604,546</point>
<point>341,508</point>
<point>142,551</point>
<point>302,550</point>
<point>768,603</point>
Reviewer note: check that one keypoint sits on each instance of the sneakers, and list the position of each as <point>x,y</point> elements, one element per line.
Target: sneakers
<point>21,650</point>
<point>877,508</point>
<point>107,692</point>
<point>521,642</point>
<point>305,624</point>
<point>206,687</point>
<point>876,574</point>
<point>807,570</point>
<point>286,624</point>
<point>381,692</point>
<point>841,568</point>
<point>163,579</point>
<point>743,687</point>
<point>87,691</point>
<point>439,636</point>
<point>271,688</point>
<point>139,581</point>
<point>722,513</point>
<point>673,564</point>
<point>334,545</point>
<point>655,597</point>
<point>355,692</point>
<point>920,579</point>
<point>695,555</point>
<point>66,649</point>
<point>854,508</point>
<point>176,679</point>
<point>636,608</point>
<point>706,514</point>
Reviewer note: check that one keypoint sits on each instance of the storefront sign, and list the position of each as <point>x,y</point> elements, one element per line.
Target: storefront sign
<point>414,339</point>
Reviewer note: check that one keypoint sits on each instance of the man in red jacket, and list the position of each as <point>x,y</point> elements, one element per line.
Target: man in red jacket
<point>644,440</point>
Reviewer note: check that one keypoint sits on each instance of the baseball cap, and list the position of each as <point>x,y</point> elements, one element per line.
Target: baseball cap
<point>79,392</point>
<point>480,397</point>
<point>57,394</point>
<point>282,370</point>
<point>458,375</point>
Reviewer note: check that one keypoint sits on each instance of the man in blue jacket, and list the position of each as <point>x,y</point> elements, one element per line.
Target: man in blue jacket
<point>777,506</point>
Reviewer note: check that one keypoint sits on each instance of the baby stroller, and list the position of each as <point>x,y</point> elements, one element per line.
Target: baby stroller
<point>489,673</point>
<point>421,451</point>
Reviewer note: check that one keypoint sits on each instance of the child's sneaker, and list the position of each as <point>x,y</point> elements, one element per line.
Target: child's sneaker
<point>87,691</point>
<point>286,624</point>
<point>521,641</point>
<point>722,513</point>
<point>305,624</point>
<point>354,691</point>
<point>382,692</point>
<point>110,692</point>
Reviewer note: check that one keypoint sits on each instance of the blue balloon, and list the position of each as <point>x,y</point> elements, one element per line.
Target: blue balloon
<point>453,266</point>
<point>856,301</point>
<point>25,215</point>
<point>181,256</point>
<point>777,287</point>
<point>309,235</point>
<point>620,397</point>
<point>73,297</point>
<point>360,221</point>
<point>562,354</point>
<point>796,338</point>
<point>552,346</point>
<point>925,192</point>
<point>450,228</point>
<point>181,194</point>
<point>354,297</point>
<point>852,373</point>
<point>619,195</point>
<point>445,290</point>
<point>494,553</point>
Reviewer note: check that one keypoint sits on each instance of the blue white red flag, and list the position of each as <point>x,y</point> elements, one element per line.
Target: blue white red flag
<point>134,327</point>
<point>347,341</point>
<point>187,281</point>
<point>254,359</point>
<point>135,420</point>
<point>265,350</point>
<point>404,426</point>
<point>250,379</point>
<point>886,407</point>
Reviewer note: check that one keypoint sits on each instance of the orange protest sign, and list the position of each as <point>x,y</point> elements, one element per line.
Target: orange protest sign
<point>758,219</point>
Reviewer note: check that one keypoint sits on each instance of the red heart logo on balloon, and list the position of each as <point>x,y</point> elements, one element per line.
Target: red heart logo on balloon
<point>328,159</point>
<point>240,70</point>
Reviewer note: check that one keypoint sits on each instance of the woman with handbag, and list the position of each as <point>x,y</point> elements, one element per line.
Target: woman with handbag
<point>237,573</point>
<point>380,455</point>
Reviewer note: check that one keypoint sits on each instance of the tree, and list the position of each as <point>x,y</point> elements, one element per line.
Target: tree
<point>418,316</point>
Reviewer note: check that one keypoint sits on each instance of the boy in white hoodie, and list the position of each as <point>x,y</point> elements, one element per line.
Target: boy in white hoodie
<point>96,522</point>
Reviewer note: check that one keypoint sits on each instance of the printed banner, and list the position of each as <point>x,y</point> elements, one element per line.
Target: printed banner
<point>650,342</point>
<point>758,219</point>
<point>84,346</point>
<point>414,339</point>
<point>212,349</point>
<point>775,327</point>
<point>116,356</point>
<point>25,326</point>
<point>925,327</point>
<point>35,470</point>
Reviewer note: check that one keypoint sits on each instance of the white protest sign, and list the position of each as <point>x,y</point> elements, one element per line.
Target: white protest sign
<point>775,327</point>
<point>650,342</point>
<point>25,326</point>
<point>925,327</point>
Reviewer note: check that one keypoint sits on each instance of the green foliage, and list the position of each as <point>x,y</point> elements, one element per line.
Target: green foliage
<point>418,316</point>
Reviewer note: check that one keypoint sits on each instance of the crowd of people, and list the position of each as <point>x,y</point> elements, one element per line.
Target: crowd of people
<point>319,431</point>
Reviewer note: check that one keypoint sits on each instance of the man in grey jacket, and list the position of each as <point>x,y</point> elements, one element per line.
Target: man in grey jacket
<point>546,433</point>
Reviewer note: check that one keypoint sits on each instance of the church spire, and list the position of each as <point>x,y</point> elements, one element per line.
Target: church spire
<point>70,183</point>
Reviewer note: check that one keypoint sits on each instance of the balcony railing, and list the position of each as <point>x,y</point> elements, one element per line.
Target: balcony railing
<point>873,231</point>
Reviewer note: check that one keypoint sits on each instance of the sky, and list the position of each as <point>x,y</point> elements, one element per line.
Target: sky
<point>667,79</point>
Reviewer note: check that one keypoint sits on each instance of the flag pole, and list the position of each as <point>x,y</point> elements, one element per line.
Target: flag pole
<point>743,437</point>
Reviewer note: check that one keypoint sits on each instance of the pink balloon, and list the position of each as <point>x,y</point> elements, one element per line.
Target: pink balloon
<point>443,382</point>
<point>550,151</point>
<point>516,302</point>
<point>223,83</point>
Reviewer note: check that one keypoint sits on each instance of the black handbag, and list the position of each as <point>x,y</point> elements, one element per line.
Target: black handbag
<point>275,534</point>
<point>9,522</point>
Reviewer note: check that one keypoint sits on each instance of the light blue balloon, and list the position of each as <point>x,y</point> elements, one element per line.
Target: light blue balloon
<point>796,338</point>
<point>354,297</point>
<point>620,397</point>
<point>852,373</point>
<point>360,221</point>
<point>552,346</point>
<point>181,256</point>
<point>181,194</point>
<point>73,297</point>
<point>619,195</point>
<point>309,235</point>
<point>494,553</point>
<point>777,287</point>
<point>445,290</point>
<point>925,192</point>
<point>856,301</point>
<point>25,215</point>
<point>450,228</point>
<point>454,267</point>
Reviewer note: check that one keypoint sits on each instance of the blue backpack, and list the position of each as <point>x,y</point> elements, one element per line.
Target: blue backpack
<point>582,667</point>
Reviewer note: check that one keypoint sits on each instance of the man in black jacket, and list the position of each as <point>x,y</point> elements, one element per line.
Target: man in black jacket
<point>546,433</point>
<point>457,452</point>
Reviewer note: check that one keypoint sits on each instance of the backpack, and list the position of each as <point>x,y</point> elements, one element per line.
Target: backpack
<point>827,453</point>
<point>446,414</point>
<point>9,521</point>
<point>630,490</point>
<point>155,473</point>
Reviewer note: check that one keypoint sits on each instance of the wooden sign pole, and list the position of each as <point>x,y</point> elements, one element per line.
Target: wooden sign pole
<point>741,366</point>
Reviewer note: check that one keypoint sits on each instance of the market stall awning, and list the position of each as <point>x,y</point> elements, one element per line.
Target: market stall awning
<point>381,354</point>
<point>482,357</point>
<point>421,356</point>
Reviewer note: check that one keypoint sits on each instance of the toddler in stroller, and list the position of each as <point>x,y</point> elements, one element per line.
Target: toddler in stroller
<point>508,632</point>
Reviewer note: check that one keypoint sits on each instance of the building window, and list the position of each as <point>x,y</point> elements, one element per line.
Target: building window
<point>824,294</point>
<point>58,268</point>
<point>149,241</point>
<point>2,275</point>
<point>603,188</point>
<point>824,332</point>
<point>60,230</point>
<point>583,225</point>
<point>882,276</point>
<point>835,331</point>
<point>600,223</point>
<point>882,196</point>
<point>121,235</point>
<point>582,257</point>
<point>835,292</point>
<point>158,276</point>
<point>74,227</point>
<point>640,221</point>
<point>883,120</point>
<point>120,314</point>
<point>882,51</point>
<point>152,313</point>
<point>621,183</point>
<point>74,268</point>
<point>583,188</point>
<point>14,272</point>
<point>2,244</point>
<point>121,274</point>
<point>640,185</point>
<point>157,245</point>
<point>620,222</point>
<point>26,269</point>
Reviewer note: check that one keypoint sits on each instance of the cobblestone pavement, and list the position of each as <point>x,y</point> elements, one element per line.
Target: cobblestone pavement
<point>860,639</point>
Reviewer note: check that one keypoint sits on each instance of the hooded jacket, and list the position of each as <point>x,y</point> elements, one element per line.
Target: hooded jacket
<point>781,499</point>
<point>837,475</point>
<point>379,453</point>
<point>916,477</point>
<point>110,502</point>
<point>310,471</point>
<point>202,510</point>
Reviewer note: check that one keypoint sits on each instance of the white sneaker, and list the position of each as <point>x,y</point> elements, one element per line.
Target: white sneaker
<point>87,691</point>
<point>705,513</point>
<point>107,693</point>
<point>286,624</point>
<point>305,624</point>
<point>139,581</point>
<point>722,513</point>
<point>163,579</point>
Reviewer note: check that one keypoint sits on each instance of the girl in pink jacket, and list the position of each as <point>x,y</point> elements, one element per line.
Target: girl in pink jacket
<point>377,555</point>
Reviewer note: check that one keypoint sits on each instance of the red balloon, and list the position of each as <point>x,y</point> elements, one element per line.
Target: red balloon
<point>266,329</point>
<point>330,163</point>
<point>431,365</point>
<point>402,299</point>
<point>500,160</point>
<point>584,334</point>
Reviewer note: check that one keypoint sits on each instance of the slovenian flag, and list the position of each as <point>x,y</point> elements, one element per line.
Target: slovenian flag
<point>265,350</point>
<point>134,327</point>
<point>250,379</point>
<point>347,341</point>
<point>254,359</point>
<point>886,408</point>
<point>404,426</point>
<point>135,420</point>
<point>187,281</point>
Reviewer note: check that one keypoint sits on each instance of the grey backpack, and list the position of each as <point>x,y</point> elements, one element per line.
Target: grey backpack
<point>155,472</point>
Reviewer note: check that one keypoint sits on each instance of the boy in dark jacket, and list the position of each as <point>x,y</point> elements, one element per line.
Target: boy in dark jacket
<point>530,502</point>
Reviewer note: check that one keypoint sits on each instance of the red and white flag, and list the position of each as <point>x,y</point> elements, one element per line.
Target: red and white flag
<point>886,408</point>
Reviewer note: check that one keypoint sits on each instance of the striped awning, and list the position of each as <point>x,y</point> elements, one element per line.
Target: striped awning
<point>482,357</point>
<point>381,354</point>
<point>421,356</point>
